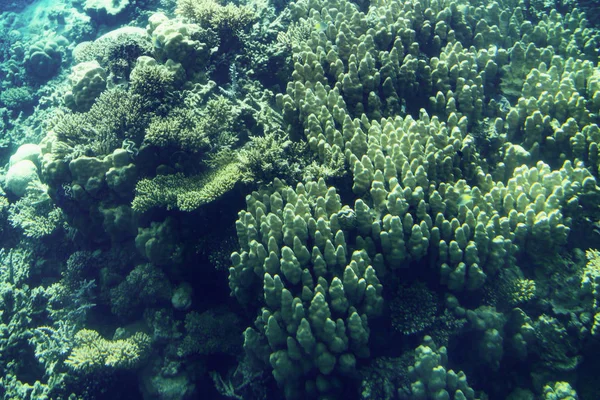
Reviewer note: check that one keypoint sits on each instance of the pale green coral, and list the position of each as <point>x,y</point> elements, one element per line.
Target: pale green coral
<point>209,13</point>
<point>559,391</point>
<point>185,43</point>
<point>318,294</point>
<point>35,213</point>
<point>90,175</point>
<point>178,191</point>
<point>115,115</point>
<point>590,284</point>
<point>211,127</point>
<point>430,378</point>
<point>92,351</point>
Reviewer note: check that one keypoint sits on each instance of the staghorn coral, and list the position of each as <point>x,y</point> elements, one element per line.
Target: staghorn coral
<point>22,338</point>
<point>182,129</point>
<point>154,84</point>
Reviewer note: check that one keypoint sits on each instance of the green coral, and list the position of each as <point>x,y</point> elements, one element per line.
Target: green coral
<point>213,127</point>
<point>559,391</point>
<point>430,378</point>
<point>115,116</point>
<point>461,139</point>
<point>35,213</point>
<point>523,291</point>
<point>319,285</point>
<point>590,284</point>
<point>556,348</point>
<point>44,57</point>
<point>154,84</point>
<point>92,352</point>
<point>179,130</point>
<point>20,299</point>
<point>273,155</point>
<point>122,52</point>
<point>145,286</point>
<point>210,13</point>
<point>17,98</point>
<point>88,81</point>
<point>117,51</point>
<point>159,243</point>
<point>214,331</point>
<point>177,191</point>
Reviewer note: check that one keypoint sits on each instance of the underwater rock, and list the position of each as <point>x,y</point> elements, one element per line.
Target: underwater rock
<point>107,12</point>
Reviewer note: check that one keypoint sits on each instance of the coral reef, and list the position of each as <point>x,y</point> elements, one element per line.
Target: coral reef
<point>417,183</point>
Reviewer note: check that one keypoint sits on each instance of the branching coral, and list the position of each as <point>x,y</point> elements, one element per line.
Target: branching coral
<point>35,214</point>
<point>146,286</point>
<point>431,378</point>
<point>185,193</point>
<point>590,284</point>
<point>213,331</point>
<point>211,127</point>
<point>182,129</point>
<point>318,281</point>
<point>114,116</point>
<point>17,98</point>
<point>209,13</point>
<point>92,351</point>
<point>155,84</point>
